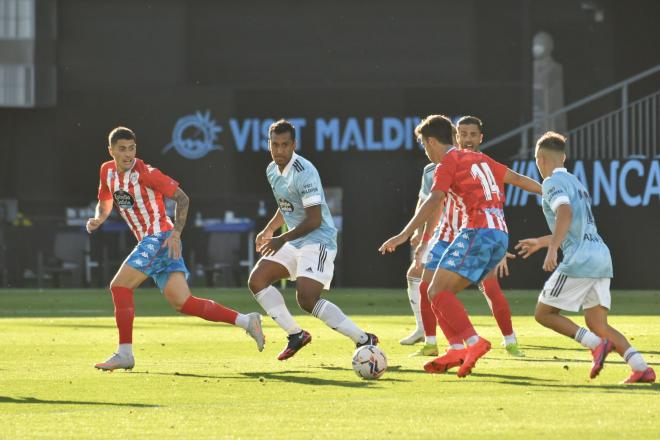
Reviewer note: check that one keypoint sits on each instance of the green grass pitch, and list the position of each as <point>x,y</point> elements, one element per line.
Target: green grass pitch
<point>199,380</point>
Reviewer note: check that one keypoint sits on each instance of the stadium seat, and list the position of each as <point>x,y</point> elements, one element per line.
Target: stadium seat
<point>223,257</point>
<point>67,258</point>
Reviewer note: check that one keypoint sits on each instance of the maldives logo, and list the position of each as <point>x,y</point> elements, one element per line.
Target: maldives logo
<point>194,136</point>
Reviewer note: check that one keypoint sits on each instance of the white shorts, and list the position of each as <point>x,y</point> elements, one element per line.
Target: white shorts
<point>567,293</point>
<point>313,261</point>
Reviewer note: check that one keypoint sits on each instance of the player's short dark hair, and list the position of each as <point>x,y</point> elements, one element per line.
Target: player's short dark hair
<point>552,141</point>
<point>471,120</point>
<point>118,133</point>
<point>436,126</point>
<point>282,126</point>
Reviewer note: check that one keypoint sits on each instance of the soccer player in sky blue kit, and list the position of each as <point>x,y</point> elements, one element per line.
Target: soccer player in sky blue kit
<point>305,253</point>
<point>582,279</point>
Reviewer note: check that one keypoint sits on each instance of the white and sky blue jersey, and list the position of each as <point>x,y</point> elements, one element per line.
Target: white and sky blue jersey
<point>299,187</point>
<point>585,254</point>
<point>427,181</point>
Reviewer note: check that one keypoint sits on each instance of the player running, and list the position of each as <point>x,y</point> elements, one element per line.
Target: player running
<point>582,279</point>
<point>305,253</point>
<point>479,181</point>
<point>470,136</point>
<point>138,190</point>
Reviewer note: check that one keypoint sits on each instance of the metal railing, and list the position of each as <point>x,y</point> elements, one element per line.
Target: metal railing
<point>629,131</point>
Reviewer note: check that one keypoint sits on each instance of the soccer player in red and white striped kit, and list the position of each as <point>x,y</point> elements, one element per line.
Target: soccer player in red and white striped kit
<point>469,137</point>
<point>137,190</point>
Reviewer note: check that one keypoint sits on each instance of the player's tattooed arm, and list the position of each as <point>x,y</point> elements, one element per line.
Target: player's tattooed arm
<point>181,211</point>
<point>173,242</point>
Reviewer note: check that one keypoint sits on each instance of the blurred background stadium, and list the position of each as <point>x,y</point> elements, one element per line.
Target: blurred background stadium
<point>200,81</point>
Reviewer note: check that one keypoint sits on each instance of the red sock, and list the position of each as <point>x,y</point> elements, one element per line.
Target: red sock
<point>124,313</point>
<point>209,310</point>
<point>449,332</point>
<point>428,318</point>
<point>499,305</point>
<point>446,304</point>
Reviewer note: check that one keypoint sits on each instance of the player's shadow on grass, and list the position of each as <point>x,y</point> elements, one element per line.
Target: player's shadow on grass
<point>50,324</point>
<point>34,400</point>
<point>550,347</point>
<point>610,388</point>
<point>554,359</point>
<point>646,352</point>
<point>399,369</point>
<point>177,374</point>
<point>289,377</point>
<point>391,368</point>
<point>517,379</point>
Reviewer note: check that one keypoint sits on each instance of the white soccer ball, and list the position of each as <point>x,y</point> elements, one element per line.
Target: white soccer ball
<point>369,362</point>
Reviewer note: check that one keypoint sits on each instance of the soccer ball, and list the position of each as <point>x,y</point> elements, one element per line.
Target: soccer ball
<point>369,362</point>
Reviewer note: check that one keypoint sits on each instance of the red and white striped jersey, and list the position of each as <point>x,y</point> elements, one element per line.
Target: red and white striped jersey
<point>138,195</point>
<point>479,181</point>
<point>454,218</point>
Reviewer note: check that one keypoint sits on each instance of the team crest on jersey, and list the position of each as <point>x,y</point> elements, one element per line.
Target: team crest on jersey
<point>134,178</point>
<point>285,205</point>
<point>123,199</point>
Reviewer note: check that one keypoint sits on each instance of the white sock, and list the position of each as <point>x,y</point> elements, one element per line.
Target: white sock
<point>472,340</point>
<point>587,339</point>
<point>336,320</point>
<point>510,339</point>
<point>125,349</point>
<point>413,297</point>
<point>635,360</point>
<point>430,340</point>
<point>456,347</point>
<point>242,321</point>
<point>272,302</point>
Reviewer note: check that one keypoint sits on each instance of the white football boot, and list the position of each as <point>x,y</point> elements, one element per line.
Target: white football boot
<point>117,361</point>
